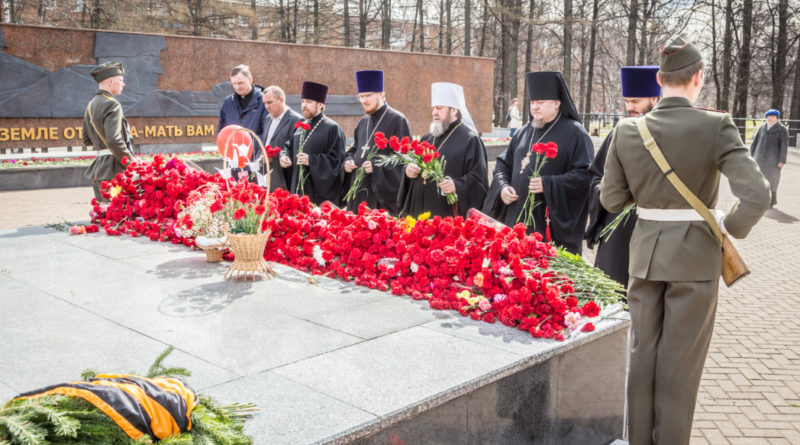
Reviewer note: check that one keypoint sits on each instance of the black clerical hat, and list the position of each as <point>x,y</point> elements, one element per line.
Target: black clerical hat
<point>550,85</point>
<point>369,81</point>
<point>314,91</point>
<point>639,81</point>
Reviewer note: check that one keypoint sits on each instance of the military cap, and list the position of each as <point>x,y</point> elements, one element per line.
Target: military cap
<point>105,70</point>
<point>679,52</point>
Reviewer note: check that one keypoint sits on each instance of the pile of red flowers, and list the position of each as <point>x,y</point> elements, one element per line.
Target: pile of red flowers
<point>467,265</point>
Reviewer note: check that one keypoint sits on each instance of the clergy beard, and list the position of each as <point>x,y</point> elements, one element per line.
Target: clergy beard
<point>439,127</point>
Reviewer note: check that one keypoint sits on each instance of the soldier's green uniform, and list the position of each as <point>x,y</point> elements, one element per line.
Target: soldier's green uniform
<point>113,141</point>
<point>675,259</point>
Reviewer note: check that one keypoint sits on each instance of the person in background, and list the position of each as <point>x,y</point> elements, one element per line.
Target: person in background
<point>245,107</point>
<point>279,127</point>
<point>514,117</point>
<point>640,92</point>
<point>769,149</point>
<point>105,127</point>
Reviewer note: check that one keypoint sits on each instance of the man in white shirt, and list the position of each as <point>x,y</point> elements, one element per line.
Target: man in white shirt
<point>279,124</point>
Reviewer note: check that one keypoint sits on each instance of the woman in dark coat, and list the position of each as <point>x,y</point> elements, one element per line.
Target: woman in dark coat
<point>769,149</point>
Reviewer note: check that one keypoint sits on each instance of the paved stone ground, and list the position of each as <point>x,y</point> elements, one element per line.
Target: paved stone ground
<point>750,392</point>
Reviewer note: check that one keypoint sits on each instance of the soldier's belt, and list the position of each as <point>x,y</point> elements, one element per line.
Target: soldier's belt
<point>675,214</point>
<point>104,152</point>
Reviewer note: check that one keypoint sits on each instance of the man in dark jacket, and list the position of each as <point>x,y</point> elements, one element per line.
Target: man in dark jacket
<point>769,148</point>
<point>245,107</point>
<point>279,128</point>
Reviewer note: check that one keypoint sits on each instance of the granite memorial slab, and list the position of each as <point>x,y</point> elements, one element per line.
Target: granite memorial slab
<point>326,361</point>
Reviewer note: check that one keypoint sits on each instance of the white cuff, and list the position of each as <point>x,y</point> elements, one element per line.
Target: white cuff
<point>721,221</point>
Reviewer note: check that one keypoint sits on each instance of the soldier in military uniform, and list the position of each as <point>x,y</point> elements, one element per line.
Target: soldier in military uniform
<point>105,127</point>
<point>675,259</point>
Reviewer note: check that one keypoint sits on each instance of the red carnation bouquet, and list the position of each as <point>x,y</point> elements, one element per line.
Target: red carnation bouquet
<point>245,207</point>
<point>302,174</point>
<point>544,151</point>
<point>360,172</point>
<point>422,154</point>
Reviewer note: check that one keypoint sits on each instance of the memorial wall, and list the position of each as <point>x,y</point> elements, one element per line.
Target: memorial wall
<point>174,86</point>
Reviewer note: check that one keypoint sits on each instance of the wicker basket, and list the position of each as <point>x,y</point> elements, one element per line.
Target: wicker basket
<point>249,252</point>
<point>214,253</point>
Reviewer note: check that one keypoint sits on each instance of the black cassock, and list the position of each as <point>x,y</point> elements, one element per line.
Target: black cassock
<point>613,256</point>
<point>325,148</point>
<point>465,163</point>
<point>378,189</point>
<point>565,180</point>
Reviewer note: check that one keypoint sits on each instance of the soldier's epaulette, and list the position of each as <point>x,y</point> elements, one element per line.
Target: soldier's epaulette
<point>712,110</point>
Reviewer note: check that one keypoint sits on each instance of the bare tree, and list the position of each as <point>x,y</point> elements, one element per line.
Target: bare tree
<point>316,22</point>
<point>633,15</point>
<point>448,16</point>
<point>727,50</point>
<point>778,59</point>
<point>567,46</point>
<point>254,21</point>
<point>587,109</point>
<point>467,28</point>
<point>347,23</point>
<point>743,73</point>
<point>386,23</point>
<point>484,27</point>
<point>795,105</point>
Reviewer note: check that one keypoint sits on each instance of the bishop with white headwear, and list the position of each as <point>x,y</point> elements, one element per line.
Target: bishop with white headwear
<point>453,134</point>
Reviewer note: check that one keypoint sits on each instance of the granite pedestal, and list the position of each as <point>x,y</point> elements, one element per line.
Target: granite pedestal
<point>326,362</point>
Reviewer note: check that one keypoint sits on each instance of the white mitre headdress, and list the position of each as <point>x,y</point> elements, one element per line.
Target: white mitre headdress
<point>451,95</point>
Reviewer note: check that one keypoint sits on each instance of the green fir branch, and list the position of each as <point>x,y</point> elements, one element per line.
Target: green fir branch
<point>20,430</point>
<point>158,370</point>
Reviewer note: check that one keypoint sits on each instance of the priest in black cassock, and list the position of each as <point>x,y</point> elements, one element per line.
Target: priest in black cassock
<point>315,155</point>
<point>380,184</point>
<point>455,137</point>
<point>640,91</point>
<point>563,185</point>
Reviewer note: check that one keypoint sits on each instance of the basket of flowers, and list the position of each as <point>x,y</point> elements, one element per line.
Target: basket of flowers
<point>208,228</point>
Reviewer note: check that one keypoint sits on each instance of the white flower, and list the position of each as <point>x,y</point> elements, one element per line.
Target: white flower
<point>486,263</point>
<point>499,297</point>
<point>317,253</point>
<point>414,267</point>
<point>572,319</point>
<point>372,225</point>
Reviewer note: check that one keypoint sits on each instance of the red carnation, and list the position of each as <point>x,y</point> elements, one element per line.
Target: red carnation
<point>380,140</point>
<point>551,150</point>
<point>239,214</point>
<point>588,327</point>
<point>272,151</point>
<point>590,309</point>
<point>394,143</point>
<point>260,209</point>
<point>302,125</point>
